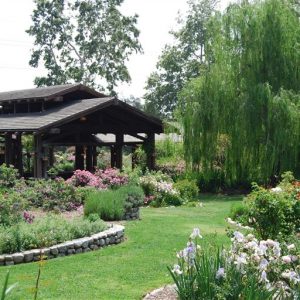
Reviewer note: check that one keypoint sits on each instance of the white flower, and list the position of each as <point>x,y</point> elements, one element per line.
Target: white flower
<point>277,189</point>
<point>176,270</point>
<point>220,273</point>
<point>263,277</point>
<point>196,233</point>
<point>291,275</point>
<point>286,259</point>
<point>294,258</point>
<point>291,247</point>
<point>238,236</point>
<point>241,261</point>
<point>262,249</point>
<point>263,264</point>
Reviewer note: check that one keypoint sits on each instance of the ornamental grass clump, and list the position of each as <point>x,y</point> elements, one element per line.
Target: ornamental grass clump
<point>249,269</point>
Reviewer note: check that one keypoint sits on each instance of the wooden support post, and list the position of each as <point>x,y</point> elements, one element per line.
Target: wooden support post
<point>79,158</point>
<point>112,157</point>
<point>149,147</point>
<point>119,150</point>
<point>51,156</point>
<point>95,155</point>
<point>19,153</point>
<point>38,156</point>
<point>133,156</point>
<point>89,158</point>
<point>8,148</point>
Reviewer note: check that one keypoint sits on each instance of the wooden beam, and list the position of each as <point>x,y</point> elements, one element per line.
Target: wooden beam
<point>149,147</point>
<point>79,158</point>
<point>95,155</point>
<point>119,150</point>
<point>38,156</point>
<point>8,148</point>
<point>89,158</point>
<point>19,153</point>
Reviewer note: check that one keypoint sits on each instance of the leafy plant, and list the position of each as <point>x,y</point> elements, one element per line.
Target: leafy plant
<point>188,189</point>
<point>8,176</point>
<point>24,236</point>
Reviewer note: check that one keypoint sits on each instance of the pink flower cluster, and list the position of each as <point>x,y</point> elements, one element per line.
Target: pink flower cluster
<point>102,179</point>
<point>28,217</point>
<point>148,199</point>
<point>111,177</point>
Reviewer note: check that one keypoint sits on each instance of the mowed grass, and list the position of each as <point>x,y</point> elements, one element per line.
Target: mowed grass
<point>133,268</point>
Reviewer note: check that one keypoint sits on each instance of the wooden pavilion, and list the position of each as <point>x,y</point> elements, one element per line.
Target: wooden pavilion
<point>72,115</point>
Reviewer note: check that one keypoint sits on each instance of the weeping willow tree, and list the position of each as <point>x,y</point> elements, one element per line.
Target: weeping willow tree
<point>242,118</point>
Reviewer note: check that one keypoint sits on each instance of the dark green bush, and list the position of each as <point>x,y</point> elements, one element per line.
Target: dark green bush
<point>188,189</point>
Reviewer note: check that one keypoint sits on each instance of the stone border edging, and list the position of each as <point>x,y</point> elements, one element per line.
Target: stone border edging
<point>113,235</point>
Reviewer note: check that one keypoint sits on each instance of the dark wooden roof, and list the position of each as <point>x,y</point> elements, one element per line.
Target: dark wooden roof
<point>31,122</point>
<point>47,93</point>
<point>68,112</point>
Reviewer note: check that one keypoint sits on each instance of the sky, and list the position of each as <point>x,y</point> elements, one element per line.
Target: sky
<point>156,19</point>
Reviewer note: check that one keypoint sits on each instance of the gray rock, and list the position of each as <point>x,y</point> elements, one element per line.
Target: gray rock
<point>62,249</point>
<point>8,258</point>
<point>71,251</point>
<point>79,250</point>
<point>54,251</point>
<point>9,263</point>
<point>107,241</point>
<point>45,251</point>
<point>28,256</point>
<point>101,242</point>
<point>18,258</point>
<point>78,244</point>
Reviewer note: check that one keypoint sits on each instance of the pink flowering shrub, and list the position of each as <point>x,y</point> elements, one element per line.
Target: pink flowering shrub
<point>249,269</point>
<point>112,177</point>
<point>28,217</point>
<point>86,178</point>
<point>102,179</point>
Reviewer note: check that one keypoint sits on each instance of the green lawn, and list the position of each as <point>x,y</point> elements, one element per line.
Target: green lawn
<point>131,269</point>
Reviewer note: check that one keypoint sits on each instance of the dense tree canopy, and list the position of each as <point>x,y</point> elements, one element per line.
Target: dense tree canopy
<point>84,41</point>
<point>242,118</point>
<point>181,61</point>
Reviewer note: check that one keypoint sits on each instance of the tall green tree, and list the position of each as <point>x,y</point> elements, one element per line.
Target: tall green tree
<point>84,41</point>
<point>181,61</point>
<point>249,99</point>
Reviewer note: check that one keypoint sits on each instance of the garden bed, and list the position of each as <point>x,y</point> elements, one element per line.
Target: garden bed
<point>113,235</point>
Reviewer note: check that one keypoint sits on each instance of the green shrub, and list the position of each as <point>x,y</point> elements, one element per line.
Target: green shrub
<point>108,204</point>
<point>46,232</point>
<point>51,195</point>
<point>11,208</point>
<point>8,176</point>
<point>239,212</point>
<point>112,204</point>
<point>188,189</point>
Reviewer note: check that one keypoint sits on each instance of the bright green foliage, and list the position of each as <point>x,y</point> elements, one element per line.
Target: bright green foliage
<point>179,62</point>
<point>83,41</point>
<point>248,101</point>
<point>188,189</point>
<point>6,288</point>
<point>45,232</point>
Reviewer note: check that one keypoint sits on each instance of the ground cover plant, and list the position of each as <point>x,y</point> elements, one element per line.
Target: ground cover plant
<point>133,268</point>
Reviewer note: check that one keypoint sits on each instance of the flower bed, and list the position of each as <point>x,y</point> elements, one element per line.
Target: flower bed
<point>113,235</point>
<point>250,269</point>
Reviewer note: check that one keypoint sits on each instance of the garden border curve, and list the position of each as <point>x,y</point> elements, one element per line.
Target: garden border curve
<point>111,236</point>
